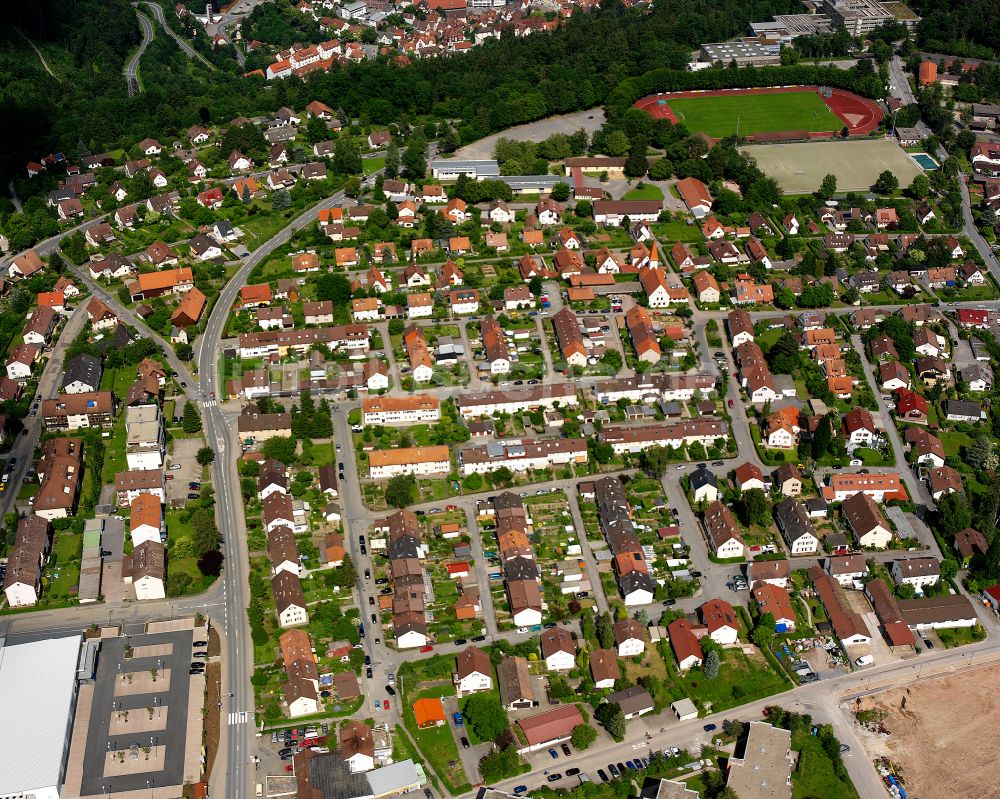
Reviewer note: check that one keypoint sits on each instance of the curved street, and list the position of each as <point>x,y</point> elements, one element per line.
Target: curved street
<point>132,68</point>
<point>188,49</point>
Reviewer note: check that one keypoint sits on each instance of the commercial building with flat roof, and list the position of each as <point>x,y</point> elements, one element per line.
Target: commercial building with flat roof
<point>745,52</point>
<point>858,16</point>
<point>38,685</point>
<point>765,770</point>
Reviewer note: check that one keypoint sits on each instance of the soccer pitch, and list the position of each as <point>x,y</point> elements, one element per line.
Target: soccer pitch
<point>800,167</point>
<point>719,116</point>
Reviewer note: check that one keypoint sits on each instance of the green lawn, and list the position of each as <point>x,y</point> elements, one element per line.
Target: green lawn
<point>755,113</point>
<point>645,192</point>
<point>372,164</point>
<point>741,679</point>
<point>814,776</point>
<point>954,441</point>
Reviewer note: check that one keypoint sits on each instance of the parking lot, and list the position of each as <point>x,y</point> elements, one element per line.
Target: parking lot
<point>182,469</point>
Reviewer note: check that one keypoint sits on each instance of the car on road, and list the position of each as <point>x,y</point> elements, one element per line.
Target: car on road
<point>465,743</point>
<point>572,772</point>
<point>553,754</point>
<point>710,728</point>
<point>479,638</point>
<point>385,704</point>
<point>368,574</point>
<point>368,672</point>
<point>451,507</point>
<point>434,510</point>
<point>378,705</point>
<point>174,467</point>
<point>670,602</point>
<point>522,630</point>
<point>368,660</point>
<point>565,750</point>
<point>460,641</point>
<point>427,648</point>
<point>457,718</point>
<point>680,467</point>
<point>371,600</point>
<point>520,789</point>
<point>730,403</point>
<point>718,463</point>
<point>554,777</point>
<point>390,690</point>
<point>844,749</point>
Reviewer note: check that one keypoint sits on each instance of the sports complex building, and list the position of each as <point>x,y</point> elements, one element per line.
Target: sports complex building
<point>38,692</point>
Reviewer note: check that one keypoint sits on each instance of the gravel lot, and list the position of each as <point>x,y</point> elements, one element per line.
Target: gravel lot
<point>590,120</point>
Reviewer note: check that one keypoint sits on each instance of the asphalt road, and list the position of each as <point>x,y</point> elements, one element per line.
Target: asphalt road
<point>48,386</point>
<point>188,49</point>
<point>132,68</point>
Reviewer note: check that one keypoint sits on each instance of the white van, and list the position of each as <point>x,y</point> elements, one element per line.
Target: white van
<point>865,660</point>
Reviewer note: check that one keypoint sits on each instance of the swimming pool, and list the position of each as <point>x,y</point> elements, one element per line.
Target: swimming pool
<point>926,162</point>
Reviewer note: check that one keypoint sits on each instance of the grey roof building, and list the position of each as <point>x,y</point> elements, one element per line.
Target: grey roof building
<point>83,373</point>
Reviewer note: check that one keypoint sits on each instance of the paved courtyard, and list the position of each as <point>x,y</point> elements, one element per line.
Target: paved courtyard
<point>138,725</point>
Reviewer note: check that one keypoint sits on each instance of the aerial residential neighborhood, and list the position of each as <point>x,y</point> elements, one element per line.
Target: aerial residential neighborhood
<point>476,399</point>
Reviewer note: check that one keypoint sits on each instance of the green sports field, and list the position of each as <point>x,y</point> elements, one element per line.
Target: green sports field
<point>718,117</point>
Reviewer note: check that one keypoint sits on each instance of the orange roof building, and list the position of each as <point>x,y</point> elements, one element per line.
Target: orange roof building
<point>428,712</point>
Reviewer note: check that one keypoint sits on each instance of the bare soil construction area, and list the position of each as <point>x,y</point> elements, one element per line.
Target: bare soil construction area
<point>942,737</point>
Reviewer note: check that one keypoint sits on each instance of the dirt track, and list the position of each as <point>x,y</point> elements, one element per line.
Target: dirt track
<point>944,739</point>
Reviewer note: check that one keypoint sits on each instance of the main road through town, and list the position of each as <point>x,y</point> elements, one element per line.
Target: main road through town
<point>234,744</point>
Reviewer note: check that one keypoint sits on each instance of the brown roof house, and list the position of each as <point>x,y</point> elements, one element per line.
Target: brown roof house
<point>289,600</point>
<point>474,672</point>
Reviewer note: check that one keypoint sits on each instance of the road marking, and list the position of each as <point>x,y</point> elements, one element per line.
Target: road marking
<point>210,404</point>
<point>239,717</point>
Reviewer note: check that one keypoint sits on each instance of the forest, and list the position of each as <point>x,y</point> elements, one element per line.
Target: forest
<point>969,28</point>
<point>501,83</point>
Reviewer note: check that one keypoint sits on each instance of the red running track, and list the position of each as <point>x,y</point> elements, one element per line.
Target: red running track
<point>859,115</point>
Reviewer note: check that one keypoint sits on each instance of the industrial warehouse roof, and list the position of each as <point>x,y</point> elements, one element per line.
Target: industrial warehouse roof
<point>37,682</point>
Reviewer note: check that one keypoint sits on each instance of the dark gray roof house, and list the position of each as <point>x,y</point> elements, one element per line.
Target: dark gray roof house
<point>83,373</point>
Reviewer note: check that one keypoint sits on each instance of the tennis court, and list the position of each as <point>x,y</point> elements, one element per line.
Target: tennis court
<point>800,167</point>
<point>745,114</point>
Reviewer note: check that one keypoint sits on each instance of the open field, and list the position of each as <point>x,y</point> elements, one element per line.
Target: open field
<point>755,113</point>
<point>799,168</point>
<point>942,738</point>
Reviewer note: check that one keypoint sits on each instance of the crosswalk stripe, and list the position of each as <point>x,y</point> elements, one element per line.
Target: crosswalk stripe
<point>238,717</point>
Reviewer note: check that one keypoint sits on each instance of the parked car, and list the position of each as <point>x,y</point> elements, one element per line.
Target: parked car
<point>465,742</point>
<point>520,789</point>
<point>390,690</point>
<point>602,774</point>
<point>710,728</point>
<point>565,750</point>
<point>426,648</point>
<point>553,754</point>
<point>572,772</point>
<point>554,777</point>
